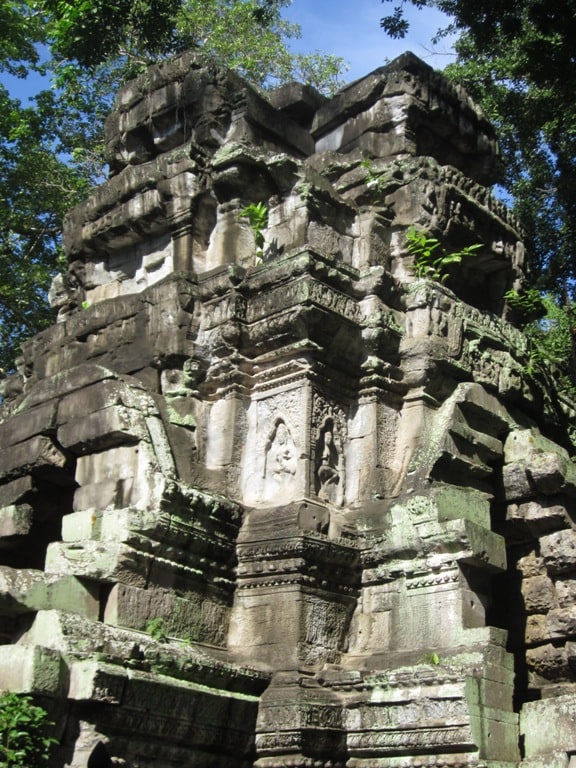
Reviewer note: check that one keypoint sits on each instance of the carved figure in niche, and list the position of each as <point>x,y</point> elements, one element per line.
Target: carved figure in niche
<point>284,452</point>
<point>281,461</point>
<point>329,464</point>
<point>498,247</point>
<point>182,382</point>
<point>193,371</point>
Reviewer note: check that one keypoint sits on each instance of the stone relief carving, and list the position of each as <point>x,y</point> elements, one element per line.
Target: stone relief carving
<point>330,433</point>
<point>280,463</point>
<point>329,463</point>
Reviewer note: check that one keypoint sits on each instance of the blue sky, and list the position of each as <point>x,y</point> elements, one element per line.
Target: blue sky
<point>351,29</point>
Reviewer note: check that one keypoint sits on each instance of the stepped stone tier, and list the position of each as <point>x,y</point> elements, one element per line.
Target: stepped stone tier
<point>267,498</point>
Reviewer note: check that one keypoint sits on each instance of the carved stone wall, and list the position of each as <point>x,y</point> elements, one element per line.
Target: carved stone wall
<point>290,505</point>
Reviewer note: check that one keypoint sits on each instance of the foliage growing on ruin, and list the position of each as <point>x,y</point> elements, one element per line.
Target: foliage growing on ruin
<point>24,742</point>
<point>527,304</point>
<point>431,259</point>
<point>156,628</point>
<point>553,341</point>
<point>257,216</point>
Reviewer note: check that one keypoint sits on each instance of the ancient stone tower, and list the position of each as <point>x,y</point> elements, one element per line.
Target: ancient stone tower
<point>267,497</point>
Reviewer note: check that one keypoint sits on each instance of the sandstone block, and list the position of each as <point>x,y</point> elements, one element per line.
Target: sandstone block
<point>557,759</point>
<point>536,629</point>
<point>540,519</point>
<point>558,717</point>
<point>129,606</point>
<point>548,662</point>
<point>566,591</point>
<point>531,565</point>
<point>517,484</point>
<point>103,495</point>
<point>488,548</point>
<point>538,594</point>
<point>26,591</point>
<point>31,669</point>
<point>96,681</point>
<point>15,520</point>
<point>16,491</point>
<point>39,456</point>
<point>101,430</point>
<point>487,693</point>
<point>562,622</point>
<point>127,525</point>
<point>119,463</point>
<point>92,398</point>
<point>523,444</point>
<point>197,617</point>
<point>82,525</point>
<point>33,422</point>
<point>548,471</point>
<point>496,734</point>
<point>107,562</point>
<point>455,503</point>
<point>559,551</point>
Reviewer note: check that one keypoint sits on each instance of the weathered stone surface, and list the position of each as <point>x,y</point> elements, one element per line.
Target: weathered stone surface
<point>566,591</point>
<point>15,520</point>
<point>551,760</point>
<point>538,593</point>
<point>276,446</point>
<point>16,491</point>
<point>35,421</point>
<point>370,116</point>
<point>558,715</point>
<point>200,618</point>
<point>539,519</point>
<point>32,669</point>
<point>559,551</point>
<point>26,591</point>
<point>549,662</point>
<point>536,630</point>
<point>562,622</point>
<point>39,456</point>
<point>535,465</point>
<point>531,565</point>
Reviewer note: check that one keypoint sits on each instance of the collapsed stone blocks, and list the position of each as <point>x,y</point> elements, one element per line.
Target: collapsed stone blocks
<point>266,497</point>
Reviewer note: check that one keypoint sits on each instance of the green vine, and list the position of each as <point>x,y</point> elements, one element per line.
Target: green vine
<point>431,259</point>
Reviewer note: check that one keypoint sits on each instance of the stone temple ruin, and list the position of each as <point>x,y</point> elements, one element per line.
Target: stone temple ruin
<point>266,497</point>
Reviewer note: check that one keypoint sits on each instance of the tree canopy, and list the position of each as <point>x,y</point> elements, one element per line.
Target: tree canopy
<point>51,148</point>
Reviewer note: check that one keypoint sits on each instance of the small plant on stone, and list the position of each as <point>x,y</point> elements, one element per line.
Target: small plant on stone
<point>374,180</point>
<point>23,739</point>
<point>257,216</point>
<point>431,259</point>
<point>156,629</point>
